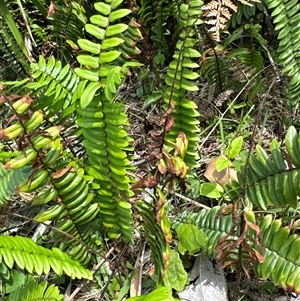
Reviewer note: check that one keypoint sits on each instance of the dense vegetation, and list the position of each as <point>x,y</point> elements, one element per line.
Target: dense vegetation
<point>129,126</point>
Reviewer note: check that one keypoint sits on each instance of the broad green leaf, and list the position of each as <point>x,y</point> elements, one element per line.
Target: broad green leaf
<point>175,273</point>
<point>155,96</point>
<point>189,42</point>
<point>191,238</point>
<point>88,60</point>
<point>95,31</point>
<point>190,52</point>
<point>211,190</point>
<point>188,104</point>
<point>184,7</point>
<point>188,85</point>
<point>89,46</point>
<point>291,143</point>
<point>189,63</point>
<point>64,72</point>
<point>186,73</point>
<point>221,163</point>
<point>107,57</point>
<point>112,42</point>
<point>238,51</point>
<point>91,75</point>
<point>8,257</point>
<point>118,14</point>
<point>174,74</point>
<point>116,29</point>
<point>255,90</point>
<point>99,20</point>
<point>102,8</point>
<point>112,82</point>
<point>235,147</point>
<point>115,3</point>
<point>88,94</point>
<point>163,293</point>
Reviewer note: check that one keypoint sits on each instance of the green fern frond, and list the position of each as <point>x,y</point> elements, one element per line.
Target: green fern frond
<point>105,141</point>
<point>280,248</point>
<point>245,12</point>
<point>281,253</point>
<point>158,17</point>
<point>32,290</point>
<point>10,179</point>
<point>56,82</point>
<point>61,183</point>
<point>286,17</point>
<point>54,87</point>
<point>66,25</point>
<point>250,57</point>
<point>14,64</point>
<point>155,237</point>
<point>222,65</point>
<point>74,211</point>
<point>180,79</point>
<point>13,27</point>
<point>28,255</point>
<point>103,121</point>
<point>270,182</point>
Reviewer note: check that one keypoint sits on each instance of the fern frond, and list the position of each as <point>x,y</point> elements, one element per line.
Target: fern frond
<point>280,248</point>
<point>59,182</point>
<point>67,23</point>
<point>270,182</point>
<point>15,64</point>
<point>286,18</point>
<point>28,255</point>
<point>55,85</point>
<point>245,12</point>
<point>154,237</point>
<point>222,97</point>
<point>250,57</point>
<point>180,79</point>
<point>32,290</point>
<point>222,64</point>
<point>103,121</point>
<point>9,181</point>
<point>218,14</point>
<point>281,253</point>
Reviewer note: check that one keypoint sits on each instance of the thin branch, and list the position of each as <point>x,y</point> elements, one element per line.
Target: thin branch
<point>191,201</point>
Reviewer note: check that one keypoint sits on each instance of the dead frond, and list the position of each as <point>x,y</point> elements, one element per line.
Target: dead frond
<point>218,13</point>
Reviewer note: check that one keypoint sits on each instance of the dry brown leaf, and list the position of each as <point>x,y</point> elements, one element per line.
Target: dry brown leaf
<point>222,177</point>
<point>136,280</point>
<point>51,10</point>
